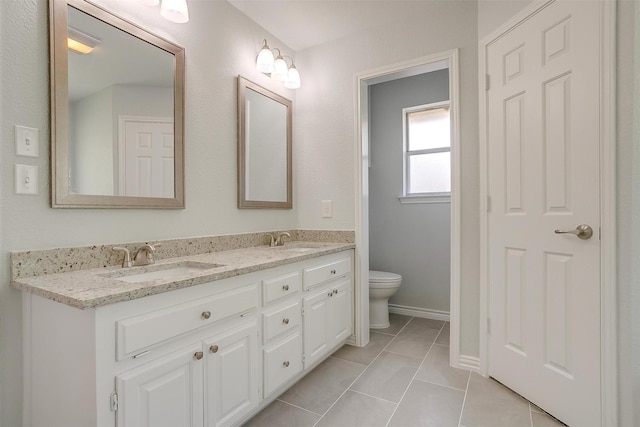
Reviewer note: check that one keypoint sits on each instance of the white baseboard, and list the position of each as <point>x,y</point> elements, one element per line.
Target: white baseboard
<point>419,312</point>
<point>471,363</point>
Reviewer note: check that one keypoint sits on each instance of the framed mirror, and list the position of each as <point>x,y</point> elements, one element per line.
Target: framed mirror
<point>117,112</point>
<point>264,148</point>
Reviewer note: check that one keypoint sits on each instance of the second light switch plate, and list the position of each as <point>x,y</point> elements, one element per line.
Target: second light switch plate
<point>27,141</point>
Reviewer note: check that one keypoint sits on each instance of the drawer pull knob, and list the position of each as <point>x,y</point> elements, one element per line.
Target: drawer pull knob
<point>285,288</point>
<point>198,355</point>
<point>206,314</point>
<point>285,363</point>
<point>213,349</point>
<point>335,291</point>
<point>285,321</point>
<point>330,294</point>
<point>333,272</point>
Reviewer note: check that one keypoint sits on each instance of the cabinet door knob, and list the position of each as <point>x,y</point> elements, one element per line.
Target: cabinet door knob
<point>206,314</point>
<point>198,355</point>
<point>330,294</point>
<point>213,349</point>
<point>333,272</point>
<point>335,291</point>
<point>285,321</point>
<point>285,288</point>
<point>285,363</point>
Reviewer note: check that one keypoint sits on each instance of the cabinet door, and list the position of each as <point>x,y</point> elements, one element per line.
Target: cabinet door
<point>340,312</point>
<point>316,326</point>
<point>165,392</point>
<point>232,374</point>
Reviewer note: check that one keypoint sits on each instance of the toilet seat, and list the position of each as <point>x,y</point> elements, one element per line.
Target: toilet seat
<point>384,279</point>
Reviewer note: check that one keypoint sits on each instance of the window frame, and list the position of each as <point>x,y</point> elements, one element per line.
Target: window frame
<point>433,197</point>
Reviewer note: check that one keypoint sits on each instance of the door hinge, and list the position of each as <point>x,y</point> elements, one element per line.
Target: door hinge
<point>487,82</point>
<point>113,400</point>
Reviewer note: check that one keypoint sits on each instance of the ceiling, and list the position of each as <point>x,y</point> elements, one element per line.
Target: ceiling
<point>302,24</point>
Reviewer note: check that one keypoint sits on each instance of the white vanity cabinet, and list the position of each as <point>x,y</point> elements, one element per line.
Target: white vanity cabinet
<point>207,355</point>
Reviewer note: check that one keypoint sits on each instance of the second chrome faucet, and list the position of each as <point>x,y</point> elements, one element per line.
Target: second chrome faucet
<point>142,256</point>
<point>278,241</point>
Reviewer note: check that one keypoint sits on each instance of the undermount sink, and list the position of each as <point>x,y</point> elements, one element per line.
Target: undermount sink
<point>167,271</point>
<point>299,247</point>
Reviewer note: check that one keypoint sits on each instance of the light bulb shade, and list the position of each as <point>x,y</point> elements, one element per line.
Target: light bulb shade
<point>293,78</point>
<point>264,61</point>
<point>280,69</point>
<point>175,11</point>
<point>150,2</point>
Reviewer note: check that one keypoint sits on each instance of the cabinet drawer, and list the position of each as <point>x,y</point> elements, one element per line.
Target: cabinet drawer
<point>323,272</point>
<point>137,333</point>
<point>282,361</point>
<point>281,319</point>
<point>280,286</point>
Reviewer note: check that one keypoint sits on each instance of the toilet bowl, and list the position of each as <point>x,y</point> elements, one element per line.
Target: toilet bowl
<point>382,286</point>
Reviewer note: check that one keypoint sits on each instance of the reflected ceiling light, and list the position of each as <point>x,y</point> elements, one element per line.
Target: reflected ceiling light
<point>80,42</point>
<point>278,67</point>
<point>171,10</point>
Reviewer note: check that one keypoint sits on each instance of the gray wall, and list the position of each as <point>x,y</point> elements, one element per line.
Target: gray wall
<point>412,240</point>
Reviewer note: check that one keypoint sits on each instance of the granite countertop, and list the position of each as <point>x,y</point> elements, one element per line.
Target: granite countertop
<point>97,287</point>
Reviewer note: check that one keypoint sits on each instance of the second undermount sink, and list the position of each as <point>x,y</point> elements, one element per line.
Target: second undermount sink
<point>166,271</point>
<point>300,247</point>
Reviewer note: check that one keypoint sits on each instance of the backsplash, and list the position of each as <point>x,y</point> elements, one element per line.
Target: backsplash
<point>62,260</point>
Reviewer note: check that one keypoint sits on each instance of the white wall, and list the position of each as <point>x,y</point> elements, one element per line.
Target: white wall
<point>220,43</point>
<point>325,141</point>
<point>412,240</point>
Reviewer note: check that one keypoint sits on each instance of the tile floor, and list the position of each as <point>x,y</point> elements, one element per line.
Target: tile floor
<point>402,378</point>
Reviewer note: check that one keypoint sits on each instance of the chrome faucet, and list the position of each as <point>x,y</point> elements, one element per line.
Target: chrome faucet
<point>280,240</point>
<point>272,240</point>
<point>126,260</point>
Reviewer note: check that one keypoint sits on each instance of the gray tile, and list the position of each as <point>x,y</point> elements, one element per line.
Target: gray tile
<point>491,404</point>
<point>428,405</point>
<point>356,409</point>
<point>364,355</point>
<point>436,369</point>
<point>318,390</point>
<point>279,414</point>
<point>420,322</point>
<point>397,322</point>
<point>443,338</point>
<point>544,420</point>
<point>413,341</point>
<point>388,376</point>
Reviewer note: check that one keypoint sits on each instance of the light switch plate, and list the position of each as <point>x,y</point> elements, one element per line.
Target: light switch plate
<point>27,141</point>
<point>327,209</point>
<point>26,179</point>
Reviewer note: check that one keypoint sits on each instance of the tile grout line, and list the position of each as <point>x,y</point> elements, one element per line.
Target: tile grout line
<point>361,373</point>
<point>372,396</point>
<point>464,400</point>
<point>440,385</point>
<point>530,414</point>
<point>414,374</point>
<point>299,407</point>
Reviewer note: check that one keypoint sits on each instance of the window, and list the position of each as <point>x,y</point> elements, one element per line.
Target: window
<point>427,151</point>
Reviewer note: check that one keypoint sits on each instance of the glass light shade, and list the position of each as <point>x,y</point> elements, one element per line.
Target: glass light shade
<point>280,69</point>
<point>264,61</point>
<point>150,2</point>
<point>175,11</point>
<point>293,78</point>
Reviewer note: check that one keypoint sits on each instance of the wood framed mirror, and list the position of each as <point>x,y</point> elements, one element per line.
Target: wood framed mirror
<point>117,112</point>
<point>264,148</point>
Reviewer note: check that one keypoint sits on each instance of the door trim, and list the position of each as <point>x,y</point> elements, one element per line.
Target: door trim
<point>608,286</point>
<point>362,81</point>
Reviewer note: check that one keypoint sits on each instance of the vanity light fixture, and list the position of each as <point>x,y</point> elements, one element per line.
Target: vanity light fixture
<point>80,42</point>
<point>277,67</point>
<point>171,10</point>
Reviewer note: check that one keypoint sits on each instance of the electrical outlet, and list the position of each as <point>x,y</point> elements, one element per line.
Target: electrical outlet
<point>27,141</point>
<point>327,209</point>
<point>26,179</point>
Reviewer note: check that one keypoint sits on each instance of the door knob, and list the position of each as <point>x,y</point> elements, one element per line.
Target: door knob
<point>583,231</point>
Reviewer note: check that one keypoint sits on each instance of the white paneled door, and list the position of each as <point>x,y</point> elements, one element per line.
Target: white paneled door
<point>543,110</point>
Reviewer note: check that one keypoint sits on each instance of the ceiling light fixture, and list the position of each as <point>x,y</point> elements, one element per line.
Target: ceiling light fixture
<point>80,42</point>
<point>172,10</point>
<point>278,67</point>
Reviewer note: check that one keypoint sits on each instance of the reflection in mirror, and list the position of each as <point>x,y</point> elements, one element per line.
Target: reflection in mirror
<point>117,112</point>
<point>264,148</point>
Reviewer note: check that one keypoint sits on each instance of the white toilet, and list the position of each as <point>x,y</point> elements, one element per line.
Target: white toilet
<point>382,286</point>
